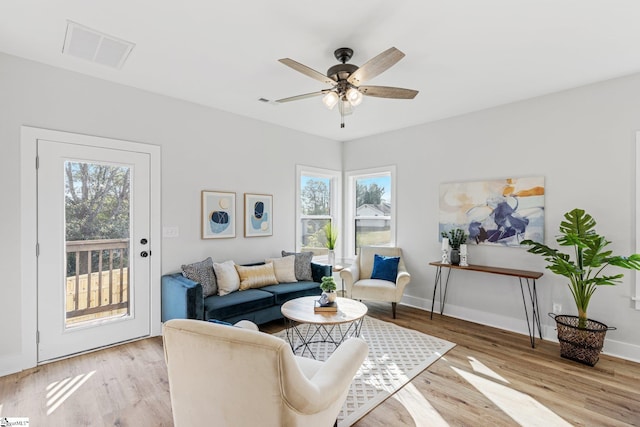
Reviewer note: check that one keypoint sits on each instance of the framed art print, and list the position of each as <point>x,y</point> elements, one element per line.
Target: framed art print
<point>500,212</point>
<point>258,215</point>
<point>218,215</point>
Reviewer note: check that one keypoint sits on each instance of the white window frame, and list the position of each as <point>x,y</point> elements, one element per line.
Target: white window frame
<point>350,214</point>
<point>335,204</point>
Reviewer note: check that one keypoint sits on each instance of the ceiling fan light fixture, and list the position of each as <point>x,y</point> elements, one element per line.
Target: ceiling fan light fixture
<point>354,96</point>
<point>347,79</point>
<point>330,100</point>
<point>346,108</point>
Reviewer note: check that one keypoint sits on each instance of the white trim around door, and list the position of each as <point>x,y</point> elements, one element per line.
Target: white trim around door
<point>28,228</point>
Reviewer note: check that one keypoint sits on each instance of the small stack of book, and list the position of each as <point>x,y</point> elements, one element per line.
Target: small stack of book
<point>324,308</point>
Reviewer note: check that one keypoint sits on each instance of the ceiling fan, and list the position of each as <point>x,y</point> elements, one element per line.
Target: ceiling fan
<point>346,80</point>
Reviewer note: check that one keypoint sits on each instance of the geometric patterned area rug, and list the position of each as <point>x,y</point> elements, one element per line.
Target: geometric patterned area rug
<point>396,356</point>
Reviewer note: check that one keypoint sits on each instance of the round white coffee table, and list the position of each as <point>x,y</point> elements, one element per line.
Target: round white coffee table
<point>305,326</point>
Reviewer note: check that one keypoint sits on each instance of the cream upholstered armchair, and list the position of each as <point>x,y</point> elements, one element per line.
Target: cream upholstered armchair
<point>230,376</point>
<point>359,284</point>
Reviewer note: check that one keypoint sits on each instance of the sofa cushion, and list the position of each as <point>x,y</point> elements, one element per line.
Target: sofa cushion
<point>285,268</point>
<point>302,264</point>
<point>227,277</point>
<point>256,276</point>
<point>235,303</point>
<point>284,292</point>
<point>202,272</point>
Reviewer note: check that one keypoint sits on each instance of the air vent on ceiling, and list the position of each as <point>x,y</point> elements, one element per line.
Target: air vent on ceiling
<point>86,43</point>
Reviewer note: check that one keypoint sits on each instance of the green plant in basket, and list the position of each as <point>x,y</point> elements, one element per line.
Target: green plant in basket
<point>590,258</point>
<point>456,237</point>
<point>328,284</point>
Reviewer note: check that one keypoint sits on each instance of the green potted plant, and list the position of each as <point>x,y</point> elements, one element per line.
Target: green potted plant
<point>328,286</point>
<point>331,234</point>
<point>581,338</point>
<point>456,237</point>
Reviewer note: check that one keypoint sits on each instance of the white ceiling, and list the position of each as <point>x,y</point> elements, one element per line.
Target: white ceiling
<point>462,55</point>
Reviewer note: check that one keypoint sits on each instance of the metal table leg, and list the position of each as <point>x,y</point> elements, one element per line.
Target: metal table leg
<point>535,315</point>
<point>301,336</point>
<point>438,282</point>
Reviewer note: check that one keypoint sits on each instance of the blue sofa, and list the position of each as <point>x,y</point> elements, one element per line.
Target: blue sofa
<point>182,299</point>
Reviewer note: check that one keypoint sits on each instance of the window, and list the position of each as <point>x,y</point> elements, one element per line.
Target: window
<point>371,211</point>
<point>317,205</point>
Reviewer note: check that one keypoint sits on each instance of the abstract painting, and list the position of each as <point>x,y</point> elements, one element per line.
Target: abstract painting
<point>218,215</point>
<point>498,212</point>
<point>258,215</point>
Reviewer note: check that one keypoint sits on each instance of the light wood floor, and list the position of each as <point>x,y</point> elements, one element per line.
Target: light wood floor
<point>491,378</point>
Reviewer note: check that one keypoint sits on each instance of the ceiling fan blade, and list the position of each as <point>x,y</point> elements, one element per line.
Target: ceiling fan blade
<point>375,66</point>
<point>306,95</point>
<point>388,92</point>
<point>307,71</point>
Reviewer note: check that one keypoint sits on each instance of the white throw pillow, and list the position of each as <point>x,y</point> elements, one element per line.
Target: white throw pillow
<point>285,268</point>
<point>226,277</point>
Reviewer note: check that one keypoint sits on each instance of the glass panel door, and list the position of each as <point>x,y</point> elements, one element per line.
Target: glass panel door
<point>93,231</point>
<point>97,229</point>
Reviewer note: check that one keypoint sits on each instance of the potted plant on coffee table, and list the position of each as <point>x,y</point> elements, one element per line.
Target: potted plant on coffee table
<point>581,338</point>
<point>328,286</point>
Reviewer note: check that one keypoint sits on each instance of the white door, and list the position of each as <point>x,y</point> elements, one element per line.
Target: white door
<point>93,247</point>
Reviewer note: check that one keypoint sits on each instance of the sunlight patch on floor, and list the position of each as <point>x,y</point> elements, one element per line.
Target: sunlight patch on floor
<point>59,391</point>
<point>524,409</point>
<point>483,369</point>
<point>390,379</point>
<point>418,407</point>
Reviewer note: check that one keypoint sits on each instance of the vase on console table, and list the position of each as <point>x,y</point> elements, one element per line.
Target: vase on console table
<point>455,256</point>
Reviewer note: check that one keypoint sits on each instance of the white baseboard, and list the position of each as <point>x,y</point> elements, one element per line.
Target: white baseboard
<point>612,348</point>
<point>10,364</point>
<point>477,316</point>
<point>622,350</point>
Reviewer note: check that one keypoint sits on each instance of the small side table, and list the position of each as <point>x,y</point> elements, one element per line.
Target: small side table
<point>336,275</point>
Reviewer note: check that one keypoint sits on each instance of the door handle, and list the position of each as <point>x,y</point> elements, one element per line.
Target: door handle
<point>144,254</point>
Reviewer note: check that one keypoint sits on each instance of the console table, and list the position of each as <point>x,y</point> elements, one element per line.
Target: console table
<point>524,276</point>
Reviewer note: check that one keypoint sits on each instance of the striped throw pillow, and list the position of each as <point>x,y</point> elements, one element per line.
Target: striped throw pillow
<point>256,276</point>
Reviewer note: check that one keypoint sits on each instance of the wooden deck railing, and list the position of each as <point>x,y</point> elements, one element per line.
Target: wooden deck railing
<point>100,289</point>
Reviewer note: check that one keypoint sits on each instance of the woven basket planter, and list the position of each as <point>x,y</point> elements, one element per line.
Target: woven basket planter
<point>580,344</point>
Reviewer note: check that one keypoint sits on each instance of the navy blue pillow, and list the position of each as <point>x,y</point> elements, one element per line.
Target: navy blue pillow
<point>385,267</point>
<point>220,322</point>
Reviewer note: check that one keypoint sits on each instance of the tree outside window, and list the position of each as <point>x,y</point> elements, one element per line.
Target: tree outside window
<point>318,205</point>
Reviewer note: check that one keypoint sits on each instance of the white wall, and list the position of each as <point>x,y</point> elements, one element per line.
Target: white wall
<point>582,141</point>
<point>202,149</point>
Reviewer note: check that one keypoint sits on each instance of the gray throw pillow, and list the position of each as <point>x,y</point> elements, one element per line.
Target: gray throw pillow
<point>202,272</point>
<point>302,264</point>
